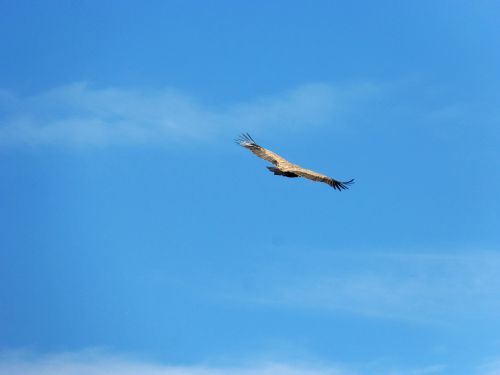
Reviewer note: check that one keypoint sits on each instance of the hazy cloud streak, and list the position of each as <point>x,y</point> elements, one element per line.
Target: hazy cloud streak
<point>413,287</point>
<point>99,362</point>
<point>95,363</point>
<point>82,114</point>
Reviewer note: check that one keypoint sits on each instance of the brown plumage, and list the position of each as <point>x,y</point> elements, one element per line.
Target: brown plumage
<point>287,169</point>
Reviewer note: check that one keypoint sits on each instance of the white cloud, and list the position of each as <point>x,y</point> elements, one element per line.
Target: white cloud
<point>82,114</point>
<point>490,366</point>
<point>412,287</point>
<point>97,363</point>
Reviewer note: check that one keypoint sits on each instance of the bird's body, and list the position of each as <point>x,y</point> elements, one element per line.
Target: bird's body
<point>284,168</point>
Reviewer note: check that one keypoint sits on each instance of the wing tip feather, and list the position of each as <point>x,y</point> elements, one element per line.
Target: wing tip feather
<point>341,185</point>
<point>245,139</point>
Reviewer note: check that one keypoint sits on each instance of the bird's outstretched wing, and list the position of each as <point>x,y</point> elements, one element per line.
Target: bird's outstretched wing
<point>311,175</point>
<point>245,140</point>
<point>285,167</point>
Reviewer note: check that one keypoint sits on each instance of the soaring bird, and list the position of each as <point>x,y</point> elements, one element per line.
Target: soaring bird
<point>287,169</point>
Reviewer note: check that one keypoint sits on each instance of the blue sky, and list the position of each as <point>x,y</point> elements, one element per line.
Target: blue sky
<point>138,238</point>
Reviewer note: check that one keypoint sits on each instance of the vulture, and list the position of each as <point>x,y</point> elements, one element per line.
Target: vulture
<point>284,168</point>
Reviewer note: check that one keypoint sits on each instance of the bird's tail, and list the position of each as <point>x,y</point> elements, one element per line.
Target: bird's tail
<point>279,172</point>
<point>275,170</point>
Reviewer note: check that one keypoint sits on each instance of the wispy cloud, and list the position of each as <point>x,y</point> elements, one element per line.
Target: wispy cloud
<point>98,363</point>
<point>412,287</point>
<point>490,367</point>
<point>82,114</point>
